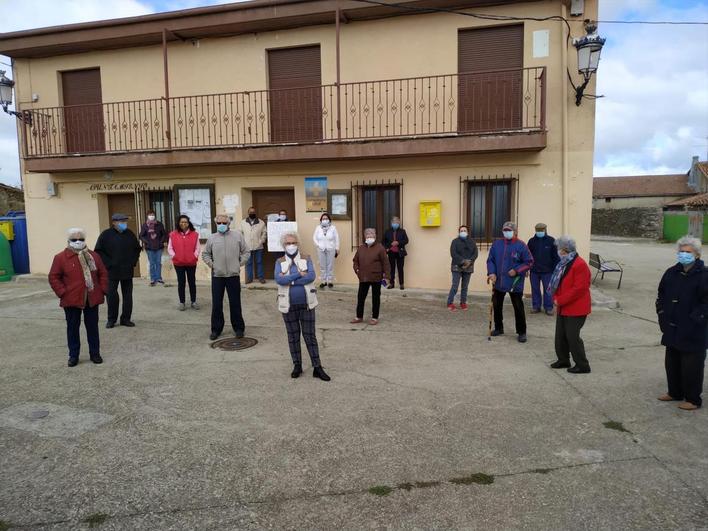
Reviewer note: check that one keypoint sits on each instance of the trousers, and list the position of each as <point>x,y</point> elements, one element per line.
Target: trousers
<point>375,299</point>
<point>73,330</point>
<point>568,340</point>
<point>456,277</point>
<point>684,374</point>
<point>301,320</point>
<point>254,266</point>
<point>155,261</point>
<point>517,302</point>
<point>126,291</point>
<point>186,274</point>
<point>539,285</point>
<point>232,286</point>
<point>326,259</point>
<point>396,261</point>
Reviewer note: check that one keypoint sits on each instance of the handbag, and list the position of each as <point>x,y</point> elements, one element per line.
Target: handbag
<point>402,252</point>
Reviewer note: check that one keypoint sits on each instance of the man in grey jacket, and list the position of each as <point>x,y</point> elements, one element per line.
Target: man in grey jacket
<point>225,252</point>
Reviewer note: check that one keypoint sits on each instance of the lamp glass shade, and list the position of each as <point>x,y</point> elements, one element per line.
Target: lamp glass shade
<point>5,90</point>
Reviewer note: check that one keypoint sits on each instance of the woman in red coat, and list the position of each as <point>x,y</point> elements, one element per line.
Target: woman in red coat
<point>183,248</point>
<point>80,280</point>
<point>570,289</point>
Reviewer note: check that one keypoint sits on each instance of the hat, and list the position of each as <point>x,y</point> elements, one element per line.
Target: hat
<point>118,217</point>
<point>541,226</point>
<point>509,225</point>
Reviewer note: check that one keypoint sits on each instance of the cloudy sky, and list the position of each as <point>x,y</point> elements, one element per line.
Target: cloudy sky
<point>653,118</point>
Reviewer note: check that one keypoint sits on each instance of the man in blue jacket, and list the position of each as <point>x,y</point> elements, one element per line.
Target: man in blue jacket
<point>545,257</point>
<point>509,260</point>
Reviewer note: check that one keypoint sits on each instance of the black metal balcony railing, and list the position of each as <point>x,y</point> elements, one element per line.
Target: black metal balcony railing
<point>475,103</point>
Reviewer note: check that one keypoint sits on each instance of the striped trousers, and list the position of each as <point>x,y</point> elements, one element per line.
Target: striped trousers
<point>301,320</point>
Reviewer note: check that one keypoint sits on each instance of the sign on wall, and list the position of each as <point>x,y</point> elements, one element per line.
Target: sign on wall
<point>315,194</point>
<point>275,230</point>
<point>197,202</point>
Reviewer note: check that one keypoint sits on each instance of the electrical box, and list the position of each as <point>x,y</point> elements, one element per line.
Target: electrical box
<point>577,7</point>
<point>430,213</point>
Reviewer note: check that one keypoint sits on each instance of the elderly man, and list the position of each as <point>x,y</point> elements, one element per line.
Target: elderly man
<point>119,249</point>
<point>545,258</point>
<point>509,260</point>
<point>254,233</point>
<point>682,307</point>
<point>225,252</point>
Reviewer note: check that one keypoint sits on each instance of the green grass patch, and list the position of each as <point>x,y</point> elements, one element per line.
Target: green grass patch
<point>380,490</point>
<point>405,486</point>
<point>4,526</point>
<point>614,425</point>
<point>541,470</point>
<point>479,478</point>
<point>426,484</point>
<point>95,519</point>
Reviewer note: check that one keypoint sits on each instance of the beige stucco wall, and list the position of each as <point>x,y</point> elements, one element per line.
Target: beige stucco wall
<point>555,184</point>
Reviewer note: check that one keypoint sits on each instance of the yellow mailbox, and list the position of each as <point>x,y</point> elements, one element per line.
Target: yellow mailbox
<point>430,213</point>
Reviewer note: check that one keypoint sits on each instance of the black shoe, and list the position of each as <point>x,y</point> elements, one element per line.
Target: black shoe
<point>559,365</point>
<point>323,285</point>
<point>318,372</point>
<point>522,338</point>
<point>239,334</point>
<point>73,362</point>
<point>110,324</point>
<point>390,286</point>
<point>213,336</point>
<point>578,370</point>
<point>330,285</point>
<point>400,287</point>
<point>496,333</point>
<point>129,324</point>
<point>97,359</point>
<point>297,370</point>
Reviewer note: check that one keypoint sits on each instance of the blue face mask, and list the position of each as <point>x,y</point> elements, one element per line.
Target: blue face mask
<point>222,228</point>
<point>540,234</point>
<point>395,226</point>
<point>685,258</point>
<point>463,235</point>
<point>508,234</point>
<point>122,227</point>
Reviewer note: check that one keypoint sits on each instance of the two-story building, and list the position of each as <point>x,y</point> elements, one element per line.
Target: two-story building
<point>444,112</point>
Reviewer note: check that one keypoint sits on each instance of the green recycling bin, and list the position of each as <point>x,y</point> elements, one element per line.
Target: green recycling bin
<point>6,270</point>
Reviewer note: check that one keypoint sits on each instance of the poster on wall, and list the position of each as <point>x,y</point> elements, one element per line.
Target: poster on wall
<point>197,202</point>
<point>315,194</point>
<point>275,230</point>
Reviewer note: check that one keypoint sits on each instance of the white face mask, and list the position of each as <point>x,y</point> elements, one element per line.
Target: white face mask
<point>370,241</point>
<point>291,249</point>
<point>325,223</point>
<point>77,245</point>
<point>151,218</point>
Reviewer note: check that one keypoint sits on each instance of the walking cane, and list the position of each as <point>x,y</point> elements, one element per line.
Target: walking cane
<point>491,313</point>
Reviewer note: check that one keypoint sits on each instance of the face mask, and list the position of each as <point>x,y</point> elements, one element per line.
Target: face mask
<point>151,218</point>
<point>291,249</point>
<point>325,223</point>
<point>508,234</point>
<point>77,245</point>
<point>122,226</point>
<point>282,218</point>
<point>560,255</point>
<point>370,241</point>
<point>685,258</point>
<point>222,228</point>
<point>252,216</point>
<point>463,235</point>
<point>540,234</point>
<point>395,226</point>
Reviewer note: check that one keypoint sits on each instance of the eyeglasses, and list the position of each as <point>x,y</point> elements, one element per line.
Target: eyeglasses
<point>77,240</point>
<point>222,222</point>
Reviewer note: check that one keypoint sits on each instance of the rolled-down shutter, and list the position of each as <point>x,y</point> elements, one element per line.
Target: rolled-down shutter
<point>490,78</point>
<point>295,81</point>
<point>83,114</point>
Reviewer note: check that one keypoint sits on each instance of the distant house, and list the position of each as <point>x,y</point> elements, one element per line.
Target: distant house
<point>640,191</point>
<point>11,198</point>
<point>689,215</point>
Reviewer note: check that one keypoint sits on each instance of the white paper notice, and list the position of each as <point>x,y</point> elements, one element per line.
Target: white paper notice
<point>275,229</point>
<point>540,43</point>
<point>230,202</point>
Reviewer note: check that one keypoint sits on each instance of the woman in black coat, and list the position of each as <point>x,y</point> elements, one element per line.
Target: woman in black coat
<point>395,241</point>
<point>682,307</point>
<point>463,253</point>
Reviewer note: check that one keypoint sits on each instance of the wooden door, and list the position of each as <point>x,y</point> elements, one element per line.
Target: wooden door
<point>295,81</point>
<point>83,111</point>
<point>490,62</point>
<point>125,204</point>
<point>271,202</point>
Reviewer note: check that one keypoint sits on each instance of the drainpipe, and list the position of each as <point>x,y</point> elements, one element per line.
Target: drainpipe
<point>564,122</point>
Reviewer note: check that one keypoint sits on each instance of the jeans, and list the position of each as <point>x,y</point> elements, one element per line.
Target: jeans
<point>375,299</point>
<point>126,290</point>
<point>517,300</point>
<point>232,286</point>
<point>186,273</point>
<point>155,261</point>
<point>539,280</point>
<point>456,276</point>
<point>254,266</point>
<point>73,327</point>
<point>684,374</point>
<point>569,342</point>
<point>396,261</point>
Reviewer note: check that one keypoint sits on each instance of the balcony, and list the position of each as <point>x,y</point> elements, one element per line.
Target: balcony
<point>446,114</point>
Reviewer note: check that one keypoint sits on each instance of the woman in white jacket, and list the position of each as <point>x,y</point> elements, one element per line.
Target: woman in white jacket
<point>327,242</point>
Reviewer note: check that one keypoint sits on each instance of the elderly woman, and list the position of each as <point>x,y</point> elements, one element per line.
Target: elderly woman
<point>297,299</point>
<point>372,268</point>
<point>395,241</point>
<point>463,253</point>
<point>570,288</point>
<point>80,280</point>
<point>682,307</point>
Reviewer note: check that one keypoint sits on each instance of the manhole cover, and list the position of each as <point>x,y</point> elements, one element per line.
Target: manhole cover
<point>39,414</point>
<point>233,343</point>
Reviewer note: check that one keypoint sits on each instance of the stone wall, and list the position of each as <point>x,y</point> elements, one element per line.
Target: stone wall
<point>628,222</point>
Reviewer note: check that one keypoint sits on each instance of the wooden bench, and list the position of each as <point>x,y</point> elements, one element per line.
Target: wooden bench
<point>605,266</point>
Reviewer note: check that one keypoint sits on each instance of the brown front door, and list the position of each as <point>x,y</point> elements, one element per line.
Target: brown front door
<point>125,204</point>
<point>83,112</point>
<point>295,77</point>
<point>490,78</point>
<point>271,202</point>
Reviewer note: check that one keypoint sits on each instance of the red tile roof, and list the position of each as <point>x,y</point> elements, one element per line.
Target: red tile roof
<point>641,186</point>
<point>698,200</point>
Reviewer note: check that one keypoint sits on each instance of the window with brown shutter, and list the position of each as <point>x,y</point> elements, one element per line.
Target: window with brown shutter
<point>295,81</point>
<point>490,78</point>
<point>83,113</point>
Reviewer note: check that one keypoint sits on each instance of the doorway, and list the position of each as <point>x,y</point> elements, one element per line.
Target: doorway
<point>271,202</point>
<point>125,204</point>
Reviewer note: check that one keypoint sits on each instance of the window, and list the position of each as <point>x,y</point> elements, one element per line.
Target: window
<point>197,201</point>
<point>379,204</point>
<point>608,200</point>
<point>488,207</point>
<point>162,203</point>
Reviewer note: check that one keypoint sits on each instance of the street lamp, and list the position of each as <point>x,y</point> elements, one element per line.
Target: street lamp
<point>589,47</point>
<point>6,85</point>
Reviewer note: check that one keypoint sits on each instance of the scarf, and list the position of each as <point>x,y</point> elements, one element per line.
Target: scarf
<point>559,272</point>
<point>151,229</point>
<point>87,265</point>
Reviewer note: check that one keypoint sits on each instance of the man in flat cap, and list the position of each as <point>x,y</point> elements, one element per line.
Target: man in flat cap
<point>119,249</point>
<point>545,258</point>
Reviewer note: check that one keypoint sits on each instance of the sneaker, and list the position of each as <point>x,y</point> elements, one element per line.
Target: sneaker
<point>73,362</point>
<point>373,321</point>
<point>152,284</point>
<point>356,320</point>
<point>181,307</point>
<point>195,306</point>
<point>262,281</point>
<point>535,310</point>
<point>451,307</point>
<point>160,282</point>
<point>549,312</point>
<point>323,285</point>
<point>463,306</point>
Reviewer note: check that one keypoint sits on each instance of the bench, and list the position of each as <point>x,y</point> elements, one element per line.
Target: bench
<point>605,266</point>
